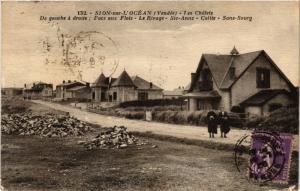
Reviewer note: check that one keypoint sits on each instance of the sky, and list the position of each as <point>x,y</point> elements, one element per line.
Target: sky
<point>165,52</point>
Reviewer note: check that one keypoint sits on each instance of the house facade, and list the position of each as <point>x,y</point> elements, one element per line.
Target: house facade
<point>37,90</point>
<point>10,92</point>
<point>73,90</point>
<point>224,81</point>
<point>124,88</point>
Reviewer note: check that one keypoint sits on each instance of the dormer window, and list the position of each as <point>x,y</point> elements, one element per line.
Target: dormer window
<point>232,73</point>
<point>262,78</point>
<point>205,82</point>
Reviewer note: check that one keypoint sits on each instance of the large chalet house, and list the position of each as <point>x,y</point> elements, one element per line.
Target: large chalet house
<point>251,81</point>
<point>124,88</point>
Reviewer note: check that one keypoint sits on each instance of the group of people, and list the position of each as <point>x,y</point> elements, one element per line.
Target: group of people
<point>213,120</point>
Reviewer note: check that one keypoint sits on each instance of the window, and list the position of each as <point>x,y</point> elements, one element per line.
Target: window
<point>205,75</point>
<point>204,105</point>
<point>115,96</point>
<point>93,95</point>
<point>232,73</point>
<point>262,78</point>
<point>142,96</point>
<point>205,83</point>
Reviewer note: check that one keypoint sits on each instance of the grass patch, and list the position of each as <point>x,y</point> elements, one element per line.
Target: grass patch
<point>202,143</point>
<point>11,105</point>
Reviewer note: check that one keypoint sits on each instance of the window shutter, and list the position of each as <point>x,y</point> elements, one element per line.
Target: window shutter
<point>257,77</point>
<point>267,78</point>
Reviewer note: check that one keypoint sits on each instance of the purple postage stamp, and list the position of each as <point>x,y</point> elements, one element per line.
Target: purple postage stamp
<point>270,157</point>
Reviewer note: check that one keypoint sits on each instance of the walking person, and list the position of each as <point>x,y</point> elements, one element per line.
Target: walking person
<point>211,123</point>
<point>224,123</point>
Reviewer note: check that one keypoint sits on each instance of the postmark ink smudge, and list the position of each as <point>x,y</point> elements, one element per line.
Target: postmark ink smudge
<point>82,51</point>
<point>266,157</point>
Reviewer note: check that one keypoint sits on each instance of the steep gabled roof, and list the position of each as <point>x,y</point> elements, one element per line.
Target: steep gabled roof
<point>142,84</point>
<point>101,81</point>
<point>123,80</point>
<point>240,63</point>
<point>219,67</point>
<point>262,97</point>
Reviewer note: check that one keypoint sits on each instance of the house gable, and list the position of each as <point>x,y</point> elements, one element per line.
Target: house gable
<point>220,66</point>
<point>245,86</point>
<point>202,65</point>
<point>272,63</point>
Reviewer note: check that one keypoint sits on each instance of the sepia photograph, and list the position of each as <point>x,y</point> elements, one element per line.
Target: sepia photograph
<point>149,95</point>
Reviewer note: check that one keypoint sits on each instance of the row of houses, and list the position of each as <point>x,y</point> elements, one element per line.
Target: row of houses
<point>251,81</point>
<point>104,89</point>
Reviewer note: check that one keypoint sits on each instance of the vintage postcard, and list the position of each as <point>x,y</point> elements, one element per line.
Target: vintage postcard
<point>149,95</point>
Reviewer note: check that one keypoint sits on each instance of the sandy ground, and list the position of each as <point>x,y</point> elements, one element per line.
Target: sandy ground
<point>35,163</point>
<point>32,163</point>
<point>180,131</point>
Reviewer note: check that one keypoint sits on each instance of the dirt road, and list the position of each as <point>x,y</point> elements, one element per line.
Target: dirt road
<point>180,131</point>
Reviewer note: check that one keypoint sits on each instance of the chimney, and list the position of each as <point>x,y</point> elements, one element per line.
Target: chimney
<point>64,81</point>
<point>24,85</point>
<point>151,85</point>
<point>193,76</point>
<point>69,81</point>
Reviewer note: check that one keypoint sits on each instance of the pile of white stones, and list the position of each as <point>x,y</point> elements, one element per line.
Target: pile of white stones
<point>46,125</point>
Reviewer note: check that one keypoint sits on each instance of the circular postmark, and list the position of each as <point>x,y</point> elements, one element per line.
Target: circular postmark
<point>79,53</point>
<point>261,155</point>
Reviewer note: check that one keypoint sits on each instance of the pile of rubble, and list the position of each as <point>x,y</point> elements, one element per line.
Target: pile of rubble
<point>114,137</point>
<point>46,125</point>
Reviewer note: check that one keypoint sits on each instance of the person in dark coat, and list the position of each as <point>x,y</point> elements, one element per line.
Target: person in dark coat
<point>212,123</point>
<point>224,123</point>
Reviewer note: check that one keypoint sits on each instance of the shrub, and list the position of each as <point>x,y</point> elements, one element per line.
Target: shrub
<point>254,121</point>
<point>152,103</point>
<point>182,117</point>
<point>283,120</point>
<point>235,120</point>
<point>10,105</point>
<point>158,116</point>
<point>193,117</point>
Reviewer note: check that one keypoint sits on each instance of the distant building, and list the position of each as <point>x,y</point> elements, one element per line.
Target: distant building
<point>173,94</point>
<point>124,88</point>
<point>73,90</point>
<point>10,92</point>
<point>251,81</point>
<point>146,90</point>
<point>37,90</point>
<point>100,88</point>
